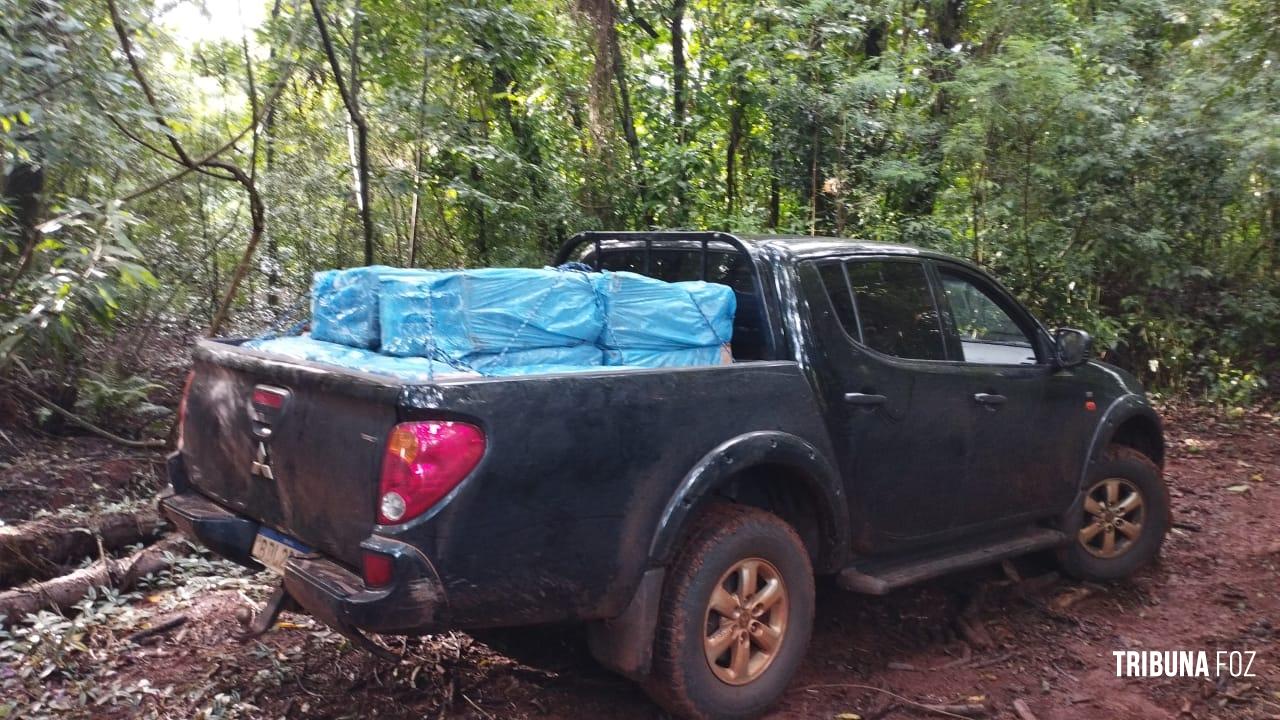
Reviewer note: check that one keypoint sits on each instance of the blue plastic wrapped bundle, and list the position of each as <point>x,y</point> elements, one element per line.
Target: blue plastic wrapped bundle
<point>450,315</point>
<point>304,347</point>
<point>300,347</point>
<point>577,355</point>
<point>518,370</point>
<point>641,312</point>
<point>684,357</point>
<point>344,304</point>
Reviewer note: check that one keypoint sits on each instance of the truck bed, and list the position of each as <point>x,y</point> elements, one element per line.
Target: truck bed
<point>557,520</point>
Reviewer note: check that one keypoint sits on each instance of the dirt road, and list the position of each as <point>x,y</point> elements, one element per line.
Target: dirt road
<point>988,638</point>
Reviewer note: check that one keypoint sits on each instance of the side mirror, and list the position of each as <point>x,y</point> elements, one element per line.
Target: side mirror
<point>1072,347</point>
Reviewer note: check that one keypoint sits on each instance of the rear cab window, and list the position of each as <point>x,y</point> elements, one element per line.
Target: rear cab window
<point>676,264</point>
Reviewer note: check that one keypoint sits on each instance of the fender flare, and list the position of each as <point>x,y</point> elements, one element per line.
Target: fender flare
<point>821,480</point>
<point>1121,410</point>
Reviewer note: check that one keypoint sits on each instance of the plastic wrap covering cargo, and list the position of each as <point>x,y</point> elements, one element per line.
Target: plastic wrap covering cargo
<point>652,323</point>
<point>451,315</point>
<point>304,347</point>
<point>510,321</point>
<point>492,363</point>
<point>344,304</point>
<point>522,370</point>
<point>684,357</point>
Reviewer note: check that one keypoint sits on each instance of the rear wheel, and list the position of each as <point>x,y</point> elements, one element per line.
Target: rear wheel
<point>736,614</point>
<point>1121,520</point>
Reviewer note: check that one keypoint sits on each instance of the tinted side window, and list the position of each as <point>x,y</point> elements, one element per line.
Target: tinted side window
<point>896,309</point>
<point>841,301</point>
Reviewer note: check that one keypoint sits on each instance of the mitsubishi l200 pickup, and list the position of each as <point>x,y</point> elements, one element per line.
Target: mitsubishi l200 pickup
<point>890,414</point>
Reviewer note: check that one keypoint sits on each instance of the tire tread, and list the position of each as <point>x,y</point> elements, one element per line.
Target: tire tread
<point>667,684</point>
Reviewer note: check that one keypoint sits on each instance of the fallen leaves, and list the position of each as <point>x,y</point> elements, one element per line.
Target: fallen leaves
<point>1070,597</point>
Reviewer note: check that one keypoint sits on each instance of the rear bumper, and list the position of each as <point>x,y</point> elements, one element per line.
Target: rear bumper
<point>327,590</point>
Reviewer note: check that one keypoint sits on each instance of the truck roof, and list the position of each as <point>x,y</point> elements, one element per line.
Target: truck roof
<point>809,246</point>
<point>799,247</point>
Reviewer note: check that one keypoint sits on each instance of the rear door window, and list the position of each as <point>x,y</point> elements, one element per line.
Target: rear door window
<point>841,300</point>
<point>895,309</point>
<point>886,305</point>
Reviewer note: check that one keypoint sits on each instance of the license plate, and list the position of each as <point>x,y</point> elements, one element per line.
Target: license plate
<point>274,550</point>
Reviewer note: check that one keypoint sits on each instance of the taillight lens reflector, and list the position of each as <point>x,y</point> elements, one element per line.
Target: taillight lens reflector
<point>268,398</point>
<point>424,461</point>
<point>378,569</point>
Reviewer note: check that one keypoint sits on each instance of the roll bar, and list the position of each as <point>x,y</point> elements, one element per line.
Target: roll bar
<point>598,237</point>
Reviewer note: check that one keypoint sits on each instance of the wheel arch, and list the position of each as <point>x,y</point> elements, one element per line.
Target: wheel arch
<point>1129,421</point>
<point>773,470</point>
<point>1142,432</point>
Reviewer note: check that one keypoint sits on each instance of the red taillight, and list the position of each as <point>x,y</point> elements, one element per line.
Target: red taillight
<point>269,397</point>
<point>425,461</point>
<point>182,406</point>
<point>377,569</point>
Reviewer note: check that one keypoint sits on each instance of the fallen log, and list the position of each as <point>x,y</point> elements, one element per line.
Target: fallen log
<point>67,590</point>
<point>155,631</point>
<point>1023,710</point>
<point>963,711</point>
<point>39,547</point>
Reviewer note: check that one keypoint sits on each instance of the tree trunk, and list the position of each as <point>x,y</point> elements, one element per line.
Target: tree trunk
<point>22,188</point>
<point>814,190</point>
<point>67,590</point>
<point>679,82</point>
<point>504,84</point>
<point>626,118</point>
<point>268,131</point>
<point>351,100</point>
<point>40,546</point>
<point>273,247</point>
<point>257,219</point>
<point>775,186</point>
<point>609,91</point>
<point>415,209</point>
<point>736,113</point>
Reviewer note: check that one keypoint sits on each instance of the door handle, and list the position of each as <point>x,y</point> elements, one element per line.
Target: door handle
<point>865,399</point>
<point>989,399</point>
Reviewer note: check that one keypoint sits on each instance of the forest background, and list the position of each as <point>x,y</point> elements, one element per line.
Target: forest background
<point>174,168</point>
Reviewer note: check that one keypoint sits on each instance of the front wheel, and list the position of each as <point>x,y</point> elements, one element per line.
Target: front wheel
<point>1121,520</point>
<point>736,614</point>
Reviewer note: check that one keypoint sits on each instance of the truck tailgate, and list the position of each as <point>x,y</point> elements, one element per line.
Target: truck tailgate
<point>308,468</point>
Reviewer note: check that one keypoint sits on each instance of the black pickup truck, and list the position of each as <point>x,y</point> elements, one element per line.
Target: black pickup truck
<point>891,414</point>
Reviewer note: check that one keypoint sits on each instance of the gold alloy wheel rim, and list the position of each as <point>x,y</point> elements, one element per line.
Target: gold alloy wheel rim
<point>1113,515</point>
<point>746,621</point>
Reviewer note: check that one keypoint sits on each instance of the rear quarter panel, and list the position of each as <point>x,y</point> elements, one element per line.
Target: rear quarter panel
<point>557,520</point>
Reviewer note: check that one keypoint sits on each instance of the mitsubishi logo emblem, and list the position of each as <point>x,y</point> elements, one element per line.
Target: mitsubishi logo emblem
<point>267,406</point>
<point>262,463</point>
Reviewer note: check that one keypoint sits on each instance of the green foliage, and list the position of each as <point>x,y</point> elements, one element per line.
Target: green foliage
<point>112,401</point>
<point>1116,162</point>
<point>76,273</point>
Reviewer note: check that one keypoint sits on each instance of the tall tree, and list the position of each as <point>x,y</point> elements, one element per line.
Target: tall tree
<point>349,90</point>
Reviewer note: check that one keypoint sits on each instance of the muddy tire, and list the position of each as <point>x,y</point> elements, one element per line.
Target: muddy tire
<point>1120,521</point>
<point>735,617</point>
